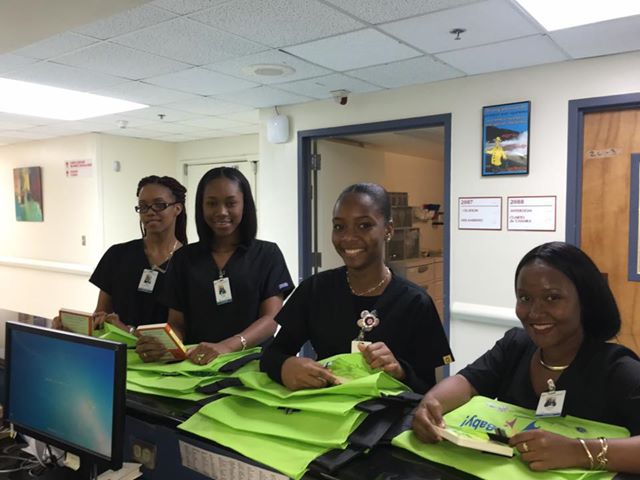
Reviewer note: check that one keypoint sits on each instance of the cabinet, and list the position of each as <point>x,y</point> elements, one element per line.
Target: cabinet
<point>427,272</point>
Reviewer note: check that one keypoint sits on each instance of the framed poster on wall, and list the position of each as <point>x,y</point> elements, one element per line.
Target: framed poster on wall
<point>27,193</point>
<point>505,139</point>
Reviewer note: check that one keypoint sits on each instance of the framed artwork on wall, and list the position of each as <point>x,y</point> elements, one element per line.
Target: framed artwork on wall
<point>505,139</point>
<point>27,188</point>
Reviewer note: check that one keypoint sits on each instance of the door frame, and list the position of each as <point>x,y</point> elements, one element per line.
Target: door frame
<point>305,139</point>
<point>577,110</point>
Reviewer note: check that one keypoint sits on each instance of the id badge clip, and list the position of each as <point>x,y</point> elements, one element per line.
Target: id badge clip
<point>222,290</point>
<point>551,402</point>
<point>147,280</point>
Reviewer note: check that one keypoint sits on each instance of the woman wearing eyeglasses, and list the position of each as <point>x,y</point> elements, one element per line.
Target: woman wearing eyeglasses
<point>130,275</point>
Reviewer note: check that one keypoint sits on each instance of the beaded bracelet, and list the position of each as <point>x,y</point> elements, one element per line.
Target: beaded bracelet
<point>602,456</point>
<point>588,452</point>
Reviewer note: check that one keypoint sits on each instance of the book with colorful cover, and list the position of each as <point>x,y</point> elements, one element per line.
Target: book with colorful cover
<point>76,321</point>
<point>167,337</point>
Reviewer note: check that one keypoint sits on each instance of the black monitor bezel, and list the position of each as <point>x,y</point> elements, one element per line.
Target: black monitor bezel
<point>113,462</point>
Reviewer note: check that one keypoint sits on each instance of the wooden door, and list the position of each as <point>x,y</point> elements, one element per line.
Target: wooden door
<point>609,140</point>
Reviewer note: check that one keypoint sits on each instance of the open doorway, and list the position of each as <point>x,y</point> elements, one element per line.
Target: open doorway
<point>410,158</point>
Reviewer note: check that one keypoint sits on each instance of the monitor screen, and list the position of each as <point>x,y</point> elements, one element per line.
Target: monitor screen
<point>67,390</point>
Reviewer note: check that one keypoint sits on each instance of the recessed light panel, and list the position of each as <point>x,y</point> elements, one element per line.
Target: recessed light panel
<point>559,14</point>
<point>25,98</point>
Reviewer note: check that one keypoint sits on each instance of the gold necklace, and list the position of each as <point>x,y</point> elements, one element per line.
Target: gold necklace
<point>372,289</point>
<point>553,368</point>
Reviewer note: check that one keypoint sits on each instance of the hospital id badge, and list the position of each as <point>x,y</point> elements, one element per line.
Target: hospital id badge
<point>355,343</point>
<point>551,403</point>
<point>147,280</point>
<point>222,290</point>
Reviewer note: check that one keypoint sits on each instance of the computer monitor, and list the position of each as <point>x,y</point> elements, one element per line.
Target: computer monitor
<point>68,391</point>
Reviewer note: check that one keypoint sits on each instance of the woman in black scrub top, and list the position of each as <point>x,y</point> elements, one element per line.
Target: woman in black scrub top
<point>568,313</point>
<point>362,306</point>
<point>130,275</point>
<point>224,291</point>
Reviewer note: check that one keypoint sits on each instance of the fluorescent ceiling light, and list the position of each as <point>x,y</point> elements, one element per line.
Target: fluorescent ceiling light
<point>35,100</point>
<point>559,14</point>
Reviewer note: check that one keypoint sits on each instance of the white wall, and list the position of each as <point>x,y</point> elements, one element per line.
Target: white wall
<point>482,263</point>
<point>43,266</point>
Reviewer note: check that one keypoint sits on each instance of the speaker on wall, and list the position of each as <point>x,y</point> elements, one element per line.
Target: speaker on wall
<point>278,129</point>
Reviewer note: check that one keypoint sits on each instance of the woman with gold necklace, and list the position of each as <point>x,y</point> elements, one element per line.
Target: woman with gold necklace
<point>359,307</point>
<point>559,364</point>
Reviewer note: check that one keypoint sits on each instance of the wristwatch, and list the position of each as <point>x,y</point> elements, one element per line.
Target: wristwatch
<point>132,329</point>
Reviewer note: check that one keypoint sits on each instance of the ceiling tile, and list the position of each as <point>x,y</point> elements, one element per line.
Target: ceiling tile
<point>125,22</point>
<point>246,130</point>
<point>178,138</point>
<point>354,50</point>
<point>278,22</point>
<point>56,45</point>
<point>182,7</point>
<point>141,92</point>
<point>523,52</point>
<point>10,121</point>
<point>214,123</point>
<point>200,81</point>
<point>152,114</point>
<point>375,11</point>
<point>113,121</point>
<point>261,97</point>
<point>56,75</point>
<point>190,42</point>
<point>485,22</point>
<point>174,128</point>
<point>248,116</point>
<point>26,134</point>
<point>135,132</point>
<point>604,38</point>
<point>321,87</point>
<point>9,62</point>
<point>121,61</point>
<point>207,106</point>
<point>273,57</point>
<point>407,72</point>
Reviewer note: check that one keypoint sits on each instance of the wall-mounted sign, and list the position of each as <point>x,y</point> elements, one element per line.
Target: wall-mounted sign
<point>78,168</point>
<point>480,213</point>
<point>531,213</point>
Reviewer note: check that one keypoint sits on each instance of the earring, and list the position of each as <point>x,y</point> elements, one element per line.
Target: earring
<point>388,237</point>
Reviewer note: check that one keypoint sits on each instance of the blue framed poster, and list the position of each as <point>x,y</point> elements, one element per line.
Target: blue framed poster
<point>505,139</point>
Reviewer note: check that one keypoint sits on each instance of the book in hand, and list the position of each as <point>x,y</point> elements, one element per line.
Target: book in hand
<point>167,337</point>
<point>463,439</point>
<point>76,322</point>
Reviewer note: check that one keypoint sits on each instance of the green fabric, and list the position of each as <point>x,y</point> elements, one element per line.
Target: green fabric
<point>481,415</point>
<point>194,396</point>
<point>111,332</point>
<point>175,383</point>
<point>358,380</point>
<point>186,366</point>
<point>334,404</point>
<point>311,427</point>
<point>287,456</point>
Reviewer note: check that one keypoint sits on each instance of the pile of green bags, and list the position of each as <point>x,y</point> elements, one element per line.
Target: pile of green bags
<point>286,430</point>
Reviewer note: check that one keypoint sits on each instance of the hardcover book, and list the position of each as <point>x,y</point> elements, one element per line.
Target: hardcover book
<point>167,337</point>
<point>463,439</point>
<point>77,322</point>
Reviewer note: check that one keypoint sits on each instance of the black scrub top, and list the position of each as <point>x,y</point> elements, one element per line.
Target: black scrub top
<point>256,271</point>
<point>602,382</point>
<point>324,311</point>
<point>118,274</point>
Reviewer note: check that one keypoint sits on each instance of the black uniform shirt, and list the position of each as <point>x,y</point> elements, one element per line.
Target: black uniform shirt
<point>323,311</point>
<point>118,273</point>
<point>602,382</point>
<point>256,272</point>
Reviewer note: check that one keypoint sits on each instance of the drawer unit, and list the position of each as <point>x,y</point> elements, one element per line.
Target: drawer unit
<point>420,274</point>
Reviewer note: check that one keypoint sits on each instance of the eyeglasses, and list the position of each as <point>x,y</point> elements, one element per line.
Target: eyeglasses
<point>156,207</point>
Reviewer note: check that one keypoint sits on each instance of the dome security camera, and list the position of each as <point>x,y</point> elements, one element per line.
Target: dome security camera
<point>340,96</point>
